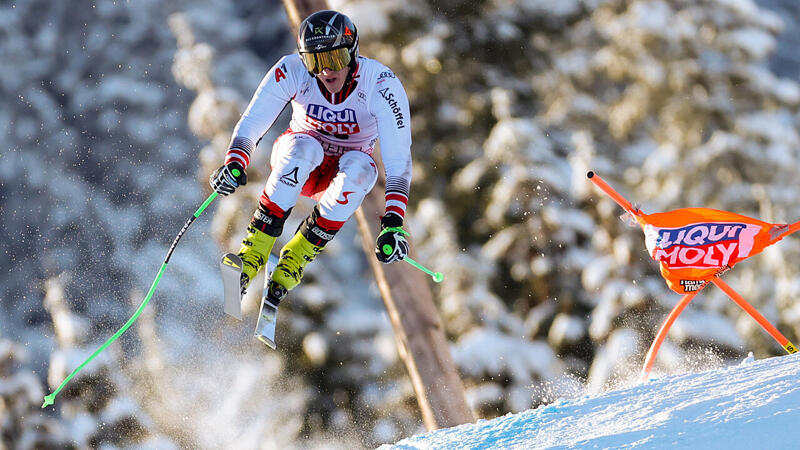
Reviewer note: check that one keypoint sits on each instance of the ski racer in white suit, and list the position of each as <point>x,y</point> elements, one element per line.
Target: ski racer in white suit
<point>342,103</point>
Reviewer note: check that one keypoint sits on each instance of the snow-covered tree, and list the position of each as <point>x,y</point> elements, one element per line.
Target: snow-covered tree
<point>115,113</point>
<point>671,101</point>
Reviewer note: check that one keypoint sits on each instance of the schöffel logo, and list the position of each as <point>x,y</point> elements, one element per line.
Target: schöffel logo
<point>330,121</point>
<point>700,245</point>
<point>383,75</point>
<point>398,113</point>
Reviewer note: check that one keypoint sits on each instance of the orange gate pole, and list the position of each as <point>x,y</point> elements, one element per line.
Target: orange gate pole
<point>686,299</point>
<point>662,332</point>
<point>621,201</point>
<point>788,346</point>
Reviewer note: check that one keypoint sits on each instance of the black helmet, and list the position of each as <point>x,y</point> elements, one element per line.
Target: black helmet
<point>320,36</point>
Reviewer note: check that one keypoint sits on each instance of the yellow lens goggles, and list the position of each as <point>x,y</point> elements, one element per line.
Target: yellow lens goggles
<point>336,59</point>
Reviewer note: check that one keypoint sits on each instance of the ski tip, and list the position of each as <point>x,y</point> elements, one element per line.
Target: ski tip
<point>232,313</point>
<point>231,260</point>
<point>590,174</point>
<point>267,341</point>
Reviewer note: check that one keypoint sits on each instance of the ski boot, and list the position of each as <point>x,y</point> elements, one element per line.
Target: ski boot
<point>254,254</point>
<point>295,255</point>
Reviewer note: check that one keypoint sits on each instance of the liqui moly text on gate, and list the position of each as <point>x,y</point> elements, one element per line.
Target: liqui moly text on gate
<point>330,121</point>
<point>700,245</point>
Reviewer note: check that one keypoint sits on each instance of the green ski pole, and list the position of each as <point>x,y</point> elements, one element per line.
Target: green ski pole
<point>50,399</point>
<point>437,276</point>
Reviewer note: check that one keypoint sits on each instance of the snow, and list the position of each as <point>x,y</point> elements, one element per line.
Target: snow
<point>595,275</point>
<point>602,317</point>
<point>372,16</point>
<point>753,405</point>
<point>532,93</point>
<point>757,43</point>
<point>565,330</point>
<point>423,50</point>
<point>758,15</point>
<point>773,126</point>
<point>615,360</point>
<point>520,359</point>
<point>551,8</point>
<point>707,327</point>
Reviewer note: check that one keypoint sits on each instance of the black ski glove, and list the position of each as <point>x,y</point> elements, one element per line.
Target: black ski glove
<point>227,178</point>
<point>391,244</point>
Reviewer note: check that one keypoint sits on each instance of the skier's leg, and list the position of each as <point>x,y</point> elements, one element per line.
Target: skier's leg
<point>294,157</point>
<point>356,177</point>
<point>264,228</point>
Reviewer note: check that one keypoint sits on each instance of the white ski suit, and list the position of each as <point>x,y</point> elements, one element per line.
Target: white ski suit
<point>326,152</point>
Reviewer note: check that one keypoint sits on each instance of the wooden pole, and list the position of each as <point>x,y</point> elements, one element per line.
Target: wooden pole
<point>407,295</point>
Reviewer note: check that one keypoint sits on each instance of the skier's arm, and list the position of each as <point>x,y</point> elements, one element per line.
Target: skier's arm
<point>391,111</point>
<point>389,105</point>
<point>275,91</point>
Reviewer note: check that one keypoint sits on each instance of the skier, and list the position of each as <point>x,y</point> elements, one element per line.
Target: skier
<point>342,103</point>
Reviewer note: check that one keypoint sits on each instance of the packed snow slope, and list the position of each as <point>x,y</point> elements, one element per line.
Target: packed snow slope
<point>755,404</point>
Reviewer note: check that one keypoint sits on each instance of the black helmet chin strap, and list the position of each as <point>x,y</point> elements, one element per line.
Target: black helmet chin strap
<point>353,67</point>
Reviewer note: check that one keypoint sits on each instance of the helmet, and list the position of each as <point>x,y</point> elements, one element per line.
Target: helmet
<point>327,39</point>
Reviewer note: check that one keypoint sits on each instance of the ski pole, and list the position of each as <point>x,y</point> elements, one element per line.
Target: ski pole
<point>437,276</point>
<point>50,399</point>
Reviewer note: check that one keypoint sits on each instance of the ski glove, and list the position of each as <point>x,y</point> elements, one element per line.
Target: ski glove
<point>391,244</point>
<point>227,178</point>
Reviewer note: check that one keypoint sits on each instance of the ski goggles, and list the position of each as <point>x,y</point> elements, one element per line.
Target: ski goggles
<point>336,59</point>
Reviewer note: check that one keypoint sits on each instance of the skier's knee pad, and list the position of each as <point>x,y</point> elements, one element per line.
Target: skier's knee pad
<point>361,171</point>
<point>294,157</point>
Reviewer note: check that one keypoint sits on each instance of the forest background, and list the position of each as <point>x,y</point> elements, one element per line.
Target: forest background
<point>115,113</point>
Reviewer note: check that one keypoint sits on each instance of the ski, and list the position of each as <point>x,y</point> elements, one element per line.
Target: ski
<point>267,318</point>
<point>268,315</point>
<point>231,267</point>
